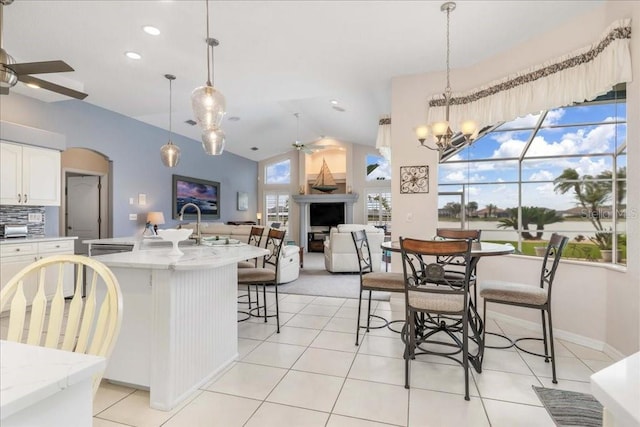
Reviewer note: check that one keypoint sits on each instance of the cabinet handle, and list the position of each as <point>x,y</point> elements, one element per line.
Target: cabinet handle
<point>19,198</point>
<point>35,258</point>
<point>57,246</point>
<point>17,249</point>
<point>25,198</point>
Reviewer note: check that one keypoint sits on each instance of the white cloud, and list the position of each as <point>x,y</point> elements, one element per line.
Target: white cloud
<point>542,175</point>
<point>553,117</point>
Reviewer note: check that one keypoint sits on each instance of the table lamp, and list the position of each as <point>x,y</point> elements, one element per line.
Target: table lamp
<point>155,218</point>
<point>259,217</point>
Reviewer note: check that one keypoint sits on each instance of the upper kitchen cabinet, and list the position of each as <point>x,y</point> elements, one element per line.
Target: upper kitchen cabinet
<point>30,175</point>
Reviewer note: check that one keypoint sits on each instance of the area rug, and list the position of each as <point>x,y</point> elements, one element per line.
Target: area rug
<point>315,280</point>
<point>570,408</point>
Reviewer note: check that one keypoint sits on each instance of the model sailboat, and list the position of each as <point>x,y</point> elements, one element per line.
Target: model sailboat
<point>325,182</point>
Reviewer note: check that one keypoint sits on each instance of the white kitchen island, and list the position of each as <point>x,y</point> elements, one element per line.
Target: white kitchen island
<point>179,325</point>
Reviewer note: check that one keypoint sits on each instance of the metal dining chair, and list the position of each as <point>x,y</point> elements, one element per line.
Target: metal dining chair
<point>437,304</point>
<point>372,281</point>
<point>34,297</point>
<point>255,239</point>
<point>459,233</point>
<point>530,296</point>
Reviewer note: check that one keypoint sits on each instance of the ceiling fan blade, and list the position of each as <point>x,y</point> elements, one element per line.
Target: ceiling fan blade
<point>4,90</point>
<point>53,87</point>
<point>42,67</point>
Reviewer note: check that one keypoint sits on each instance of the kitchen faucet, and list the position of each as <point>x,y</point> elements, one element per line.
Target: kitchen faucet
<point>199,217</point>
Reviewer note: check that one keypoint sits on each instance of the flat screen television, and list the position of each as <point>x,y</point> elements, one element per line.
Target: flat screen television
<point>202,193</point>
<point>326,214</point>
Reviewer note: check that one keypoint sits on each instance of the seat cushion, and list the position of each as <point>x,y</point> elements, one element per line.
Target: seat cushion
<point>256,275</point>
<point>392,282</point>
<point>246,264</point>
<point>440,303</point>
<point>518,293</point>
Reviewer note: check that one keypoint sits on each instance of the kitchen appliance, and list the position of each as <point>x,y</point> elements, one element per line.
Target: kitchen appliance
<point>13,230</point>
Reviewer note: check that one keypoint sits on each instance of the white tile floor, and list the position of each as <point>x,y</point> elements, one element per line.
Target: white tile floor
<point>312,374</point>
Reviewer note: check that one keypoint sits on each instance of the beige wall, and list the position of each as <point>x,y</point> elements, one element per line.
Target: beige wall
<point>594,302</point>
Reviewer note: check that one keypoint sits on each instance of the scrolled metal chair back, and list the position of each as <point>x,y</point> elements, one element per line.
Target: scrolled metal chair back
<point>362,251</point>
<point>255,236</point>
<point>275,240</point>
<point>556,246</point>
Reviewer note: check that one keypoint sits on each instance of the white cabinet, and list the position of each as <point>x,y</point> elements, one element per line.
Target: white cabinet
<point>30,175</point>
<point>15,256</point>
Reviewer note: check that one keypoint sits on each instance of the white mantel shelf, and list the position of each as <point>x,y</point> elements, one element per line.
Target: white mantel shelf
<point>305,199</point>
<point>326,198</point>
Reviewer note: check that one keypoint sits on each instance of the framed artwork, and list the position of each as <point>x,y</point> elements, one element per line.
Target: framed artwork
<point>243,201</point>
<point>193,191</point>
<point>414,179</point>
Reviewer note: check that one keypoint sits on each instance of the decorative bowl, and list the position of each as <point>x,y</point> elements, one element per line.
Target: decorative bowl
<point>175,236</point>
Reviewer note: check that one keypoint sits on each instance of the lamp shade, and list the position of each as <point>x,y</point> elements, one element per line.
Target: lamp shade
<point>155,218</point>
<point>213,141</point>
<point>170,154</point>
<point>209,106</point>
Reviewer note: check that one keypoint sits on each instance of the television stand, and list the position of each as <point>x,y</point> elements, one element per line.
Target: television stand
<point>315,241</point>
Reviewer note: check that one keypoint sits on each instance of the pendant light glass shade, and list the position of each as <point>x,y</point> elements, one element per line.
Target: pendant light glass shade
<point>209,106</point>
<point>170,153</point>
<point>213,141</point>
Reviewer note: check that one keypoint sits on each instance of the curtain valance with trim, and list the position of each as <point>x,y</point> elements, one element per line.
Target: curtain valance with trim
<point>576,77</point>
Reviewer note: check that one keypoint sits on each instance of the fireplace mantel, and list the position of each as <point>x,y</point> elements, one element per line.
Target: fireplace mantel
<point>305,199</point>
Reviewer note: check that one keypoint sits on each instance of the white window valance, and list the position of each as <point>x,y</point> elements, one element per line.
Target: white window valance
<point>576,77</point>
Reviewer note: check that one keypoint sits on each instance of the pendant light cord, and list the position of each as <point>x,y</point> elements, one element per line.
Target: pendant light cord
<point>170,92</point>
<point>208,47</point>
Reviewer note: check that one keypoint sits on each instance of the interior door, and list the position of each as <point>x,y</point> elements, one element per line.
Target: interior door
<point>83,210</point>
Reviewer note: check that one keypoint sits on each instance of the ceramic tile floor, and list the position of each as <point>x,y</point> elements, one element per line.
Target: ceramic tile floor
<point>312,374</point>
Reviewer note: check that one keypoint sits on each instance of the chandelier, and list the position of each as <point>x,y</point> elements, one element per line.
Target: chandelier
<point>170,153</point>
<point>441,131</point>
<point>209,105</point>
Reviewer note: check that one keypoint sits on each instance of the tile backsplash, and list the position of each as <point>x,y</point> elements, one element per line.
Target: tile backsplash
<point>15,214</point>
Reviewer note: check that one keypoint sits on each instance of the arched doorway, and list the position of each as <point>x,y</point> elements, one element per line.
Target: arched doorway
<point>86,205</point>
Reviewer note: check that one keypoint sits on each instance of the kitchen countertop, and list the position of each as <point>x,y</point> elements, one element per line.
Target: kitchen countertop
<point>195,257</point>
<point>31,374</point>
<point>35,239</point>
<point>617,387</point>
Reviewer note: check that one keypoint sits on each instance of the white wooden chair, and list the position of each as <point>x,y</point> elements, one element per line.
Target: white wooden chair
<point>35,296</point>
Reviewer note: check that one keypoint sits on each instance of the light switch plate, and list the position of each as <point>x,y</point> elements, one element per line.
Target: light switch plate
<point>133,217</point>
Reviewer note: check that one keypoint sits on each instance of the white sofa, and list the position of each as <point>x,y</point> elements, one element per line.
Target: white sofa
<point>340,252</point>
<point>289,267</point>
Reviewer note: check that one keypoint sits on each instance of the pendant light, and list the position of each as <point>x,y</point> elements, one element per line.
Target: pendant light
<point>170,153</point>
<point>209,105</point>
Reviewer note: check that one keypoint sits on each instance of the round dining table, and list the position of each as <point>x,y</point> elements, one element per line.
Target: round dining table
<point>478,250</point>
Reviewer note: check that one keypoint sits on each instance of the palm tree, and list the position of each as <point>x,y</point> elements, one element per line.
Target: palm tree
<point>472,207</point>
<point>491,208</point>
<point>589,193</point>
<point>530,215</point>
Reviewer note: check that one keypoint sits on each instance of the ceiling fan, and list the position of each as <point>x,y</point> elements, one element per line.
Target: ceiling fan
<point>11,73</point>
<point>305,148</point>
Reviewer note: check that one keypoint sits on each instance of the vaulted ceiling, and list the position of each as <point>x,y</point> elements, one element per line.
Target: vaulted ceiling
<point>275,58</point>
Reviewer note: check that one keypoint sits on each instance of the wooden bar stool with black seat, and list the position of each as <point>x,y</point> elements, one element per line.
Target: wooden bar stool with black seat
<point>530,296</point>
<point>267,274</point>
<point>255,239</point>
<point>373,281</point>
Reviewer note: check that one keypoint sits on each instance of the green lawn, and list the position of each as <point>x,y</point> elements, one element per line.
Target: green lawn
<point>574,250</point>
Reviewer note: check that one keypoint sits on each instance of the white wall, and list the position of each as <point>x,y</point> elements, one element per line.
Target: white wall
<point>592,301</point>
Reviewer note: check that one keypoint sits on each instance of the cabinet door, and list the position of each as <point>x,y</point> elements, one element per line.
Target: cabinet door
<point>41,176</point>
<point>11,174</point>
<point>11,265</point>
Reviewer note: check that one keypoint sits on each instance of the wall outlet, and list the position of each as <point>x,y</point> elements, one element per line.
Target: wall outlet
<point>142,199</point>
<point>35,217</point>
<point>133,217</point>
<point>409,217</point>
<point>130,200</point>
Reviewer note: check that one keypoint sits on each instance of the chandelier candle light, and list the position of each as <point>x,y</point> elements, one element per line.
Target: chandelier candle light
<point>209,105</point>
<point>441,131</point>
<point>170,153</point>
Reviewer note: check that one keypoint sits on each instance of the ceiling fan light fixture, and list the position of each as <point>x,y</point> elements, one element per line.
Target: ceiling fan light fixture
<point>213,141</point>
<point>170,153</point>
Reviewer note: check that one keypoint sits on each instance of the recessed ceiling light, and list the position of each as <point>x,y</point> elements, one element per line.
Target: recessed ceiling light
<point>334,102</point>
<point>234,119</point>
<point>133,55</point>
<point>149,29</point>
<point>33,85</point>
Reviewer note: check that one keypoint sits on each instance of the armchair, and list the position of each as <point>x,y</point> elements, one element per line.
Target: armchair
<point>340,254</point>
